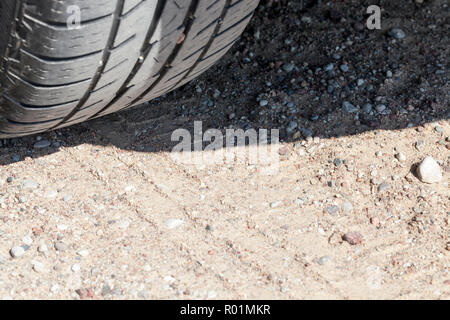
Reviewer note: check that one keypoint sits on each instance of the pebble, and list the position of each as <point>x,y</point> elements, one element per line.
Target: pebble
<point>348,107</point>
<point>337,162</point>
<point>367,108</point>
<point>306,132</point>
<point>216,94</point>
<point>27,240</point>
<point>306,19</point>
<point>329,67</point>
<point>29,184</point>
<point>42,144</point>
<point>42,248</point>
<point>380,108</point>
<point>352,238</point>
<point>291,127</point>
<point>51,194</point>
<point>83,253</point>
<point>384,186</point>
<point>123,224</point>
<point>332,210</point>
<point>169,279</point>
<point>38,266</point>
<point>438,129</point>
<point>173,223</point>
<point>263,103</point>
<point>375,221</point>
<point>17,252</point>
<point>397,33</point>
<point>60,246</point>
<point>75,267</point>
<point>419,145</point>
<point>347,206</point>
<point>400,157</point>
<point>54,288</point>
<point>105,290</point>
<point>344,67</point>
<point>323,260</point>
<point>429,171</point>
<point>275,204</point>
<point>288,67</point>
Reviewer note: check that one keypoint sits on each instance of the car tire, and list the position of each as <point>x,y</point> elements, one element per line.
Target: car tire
<point>65,62</point>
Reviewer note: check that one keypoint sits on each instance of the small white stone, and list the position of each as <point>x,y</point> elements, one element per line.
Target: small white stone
<point>29,184</point>
<point>43,248</point>
<point>17,252</point>
<point>51,194</point>
<point>27,240</point>
<point>169,279</point>
<point>173,223</point>
<point>76,267</point>
<point>400,157</point>
<point>263,103</point>
<point>429,171</point>
<point>61,227</point>
<point>83,253</point>
<point>275,204</point>
<point>54,288</point>
<point>347,206</point>
<point>38,266</point>
<point>123,224</point>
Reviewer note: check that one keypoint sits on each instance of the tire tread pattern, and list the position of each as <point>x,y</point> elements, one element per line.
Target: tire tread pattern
<point>123,53</point>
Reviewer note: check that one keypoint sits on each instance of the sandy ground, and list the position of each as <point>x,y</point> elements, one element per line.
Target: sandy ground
<point>105,212</point>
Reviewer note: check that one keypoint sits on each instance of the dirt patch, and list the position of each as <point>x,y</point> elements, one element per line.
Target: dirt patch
<point>101,210</point>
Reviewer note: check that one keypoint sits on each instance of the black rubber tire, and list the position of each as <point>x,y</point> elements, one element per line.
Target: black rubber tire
<point>125,52</point>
